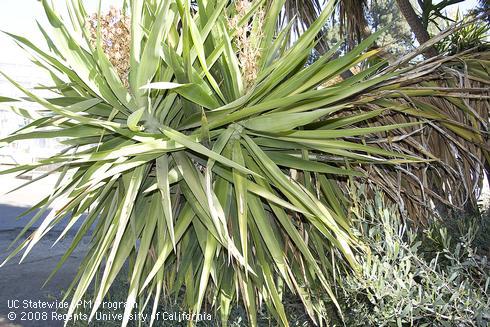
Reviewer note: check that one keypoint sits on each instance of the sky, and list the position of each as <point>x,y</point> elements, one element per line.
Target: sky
<point>464,6</point>
<point>19,17</point>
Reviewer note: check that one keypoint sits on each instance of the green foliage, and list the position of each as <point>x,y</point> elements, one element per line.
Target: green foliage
<point>432,10</point>
<point>212,170</point>
<point>402,284</point>
<point>295,312</point>
<point>472,36</point>
<point>432,277</point>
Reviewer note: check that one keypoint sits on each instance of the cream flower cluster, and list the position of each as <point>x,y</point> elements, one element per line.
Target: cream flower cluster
<point>115,30</point>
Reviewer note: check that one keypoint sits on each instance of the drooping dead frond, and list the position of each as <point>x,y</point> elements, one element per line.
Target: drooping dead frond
<point>353,23</point>
<point>304,12</point>
<point>452,95</point>
<point>352,19</point>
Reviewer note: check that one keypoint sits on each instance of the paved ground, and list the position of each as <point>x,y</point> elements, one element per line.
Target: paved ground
<point>23,283</point>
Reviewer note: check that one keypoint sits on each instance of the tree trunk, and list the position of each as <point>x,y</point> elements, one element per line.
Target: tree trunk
<point>416,25</point>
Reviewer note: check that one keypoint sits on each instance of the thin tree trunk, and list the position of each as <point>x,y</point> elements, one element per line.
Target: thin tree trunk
<point>416,25</point>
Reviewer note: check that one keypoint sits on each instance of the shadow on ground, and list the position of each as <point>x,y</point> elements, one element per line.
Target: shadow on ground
<point>22,294</point>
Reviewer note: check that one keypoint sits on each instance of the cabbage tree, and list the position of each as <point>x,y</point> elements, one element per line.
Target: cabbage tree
<point>205,153</point>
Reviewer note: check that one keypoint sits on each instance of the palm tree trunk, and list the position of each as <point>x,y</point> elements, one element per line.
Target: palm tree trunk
<point>416,25</point>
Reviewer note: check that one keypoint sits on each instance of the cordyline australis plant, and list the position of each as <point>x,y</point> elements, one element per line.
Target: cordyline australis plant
<point>211,166</point>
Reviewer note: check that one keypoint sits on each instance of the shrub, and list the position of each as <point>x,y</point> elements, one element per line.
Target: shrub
<point>401,284</point>
<point>473,36</point>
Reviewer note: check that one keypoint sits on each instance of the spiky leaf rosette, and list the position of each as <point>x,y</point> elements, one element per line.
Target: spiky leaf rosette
<point>206,181</point>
